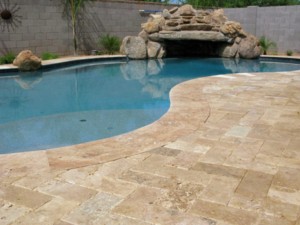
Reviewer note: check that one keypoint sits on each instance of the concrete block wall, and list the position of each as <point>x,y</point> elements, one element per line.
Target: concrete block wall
<point>281,24</point>
<point>43,27</point>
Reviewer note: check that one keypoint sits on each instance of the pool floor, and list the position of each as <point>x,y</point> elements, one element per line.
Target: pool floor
<point>227,152</point>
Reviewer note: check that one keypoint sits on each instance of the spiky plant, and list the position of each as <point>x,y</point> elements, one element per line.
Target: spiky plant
<point>110,44</point>
<point>266,44</point>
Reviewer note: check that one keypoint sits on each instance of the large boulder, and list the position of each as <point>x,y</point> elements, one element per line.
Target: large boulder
<point>218,17</point>
<point>185,10</point>
<point>232,29</point>
<point>249,48</point>
<point>27,61</point>
<point>134,47</point>
<point>151,27</point>
<point>153,49</point>
<point>228,51</point>
<point>143,34</point>
<point>154,24</point>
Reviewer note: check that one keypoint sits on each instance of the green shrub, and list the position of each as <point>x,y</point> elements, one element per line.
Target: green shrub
<point>110,44</point>
<point>266,44</point>
<point>289,52</point>
<point>48,55</point>
<point>7,58</point>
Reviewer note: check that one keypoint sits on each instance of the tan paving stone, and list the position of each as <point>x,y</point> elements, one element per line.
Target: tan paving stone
<point>185,160</point>
<point>220,212</point>
<point>280,135</point>
<point>149,205</point>
<point>289,162</point>
<point>220,190</point>
<point>219,153</point>
<point>272,148</point>
<point>287,177</point>
<point>233,116</point>
<point>238,131</point>
<point>265,220</point>
<point>59,222</point>
<point>197,145</point>
<point>23,197</point>
<point>219,170</point>
<point>254,185</point>
<point>17,165</point>
<point>215,116</point>
<point>116,187</point>
<point>113,219</point>
<point>152,164</point>
<point>245,153</point>
<point>267,159</point>
<point>292,150</point>
<point>180,197</point>
<point>280,209</point>
<point>66,190</point>
<point>210,133</point>
<point>278,161</point>
<point>263,167</point>
<point>251,118</point>
<point>36,179</point>
<point>285,195</point>
<point>10,212</point>
<point>197,177</point>
<point>165,151</point>
<point>84,176</point>
<point>93,210</point>
<point>270,117</point>
<point>260,131</point>
<point>49,213</point>
<point>222,124</point>
<point>147,179</point>
<point>92,176</point>
<point>246,203</point>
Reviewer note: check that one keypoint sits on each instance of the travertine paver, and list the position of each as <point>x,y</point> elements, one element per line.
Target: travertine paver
<point>226,153</point>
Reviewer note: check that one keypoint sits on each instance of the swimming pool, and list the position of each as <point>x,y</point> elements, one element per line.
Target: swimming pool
<point>91,101</point>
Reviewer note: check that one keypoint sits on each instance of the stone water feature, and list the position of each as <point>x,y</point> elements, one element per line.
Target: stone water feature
<point>184,31</point>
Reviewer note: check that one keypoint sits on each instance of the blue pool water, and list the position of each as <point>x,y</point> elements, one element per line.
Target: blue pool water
<point>91,101</point>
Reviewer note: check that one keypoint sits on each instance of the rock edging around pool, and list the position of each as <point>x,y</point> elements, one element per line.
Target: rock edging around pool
<point>62,62</point>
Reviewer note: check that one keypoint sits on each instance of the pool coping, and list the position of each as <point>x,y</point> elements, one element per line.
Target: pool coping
<point>64,61</point>
<point>71,60</point>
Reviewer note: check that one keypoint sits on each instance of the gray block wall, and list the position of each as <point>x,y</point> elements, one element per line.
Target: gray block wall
<point>281,24</point>
<point>42,26</point>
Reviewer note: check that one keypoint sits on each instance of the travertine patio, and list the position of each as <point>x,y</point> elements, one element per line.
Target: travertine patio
<point>227,152</point>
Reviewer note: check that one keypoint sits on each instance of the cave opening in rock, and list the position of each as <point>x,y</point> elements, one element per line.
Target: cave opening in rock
<point>191,48</point>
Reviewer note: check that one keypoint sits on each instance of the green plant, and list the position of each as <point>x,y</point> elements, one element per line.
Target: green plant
<point>7,58</point>
<point>289,52</point>
<point>48,55</point>
<point>110,44</point>
<point>266,44</point>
